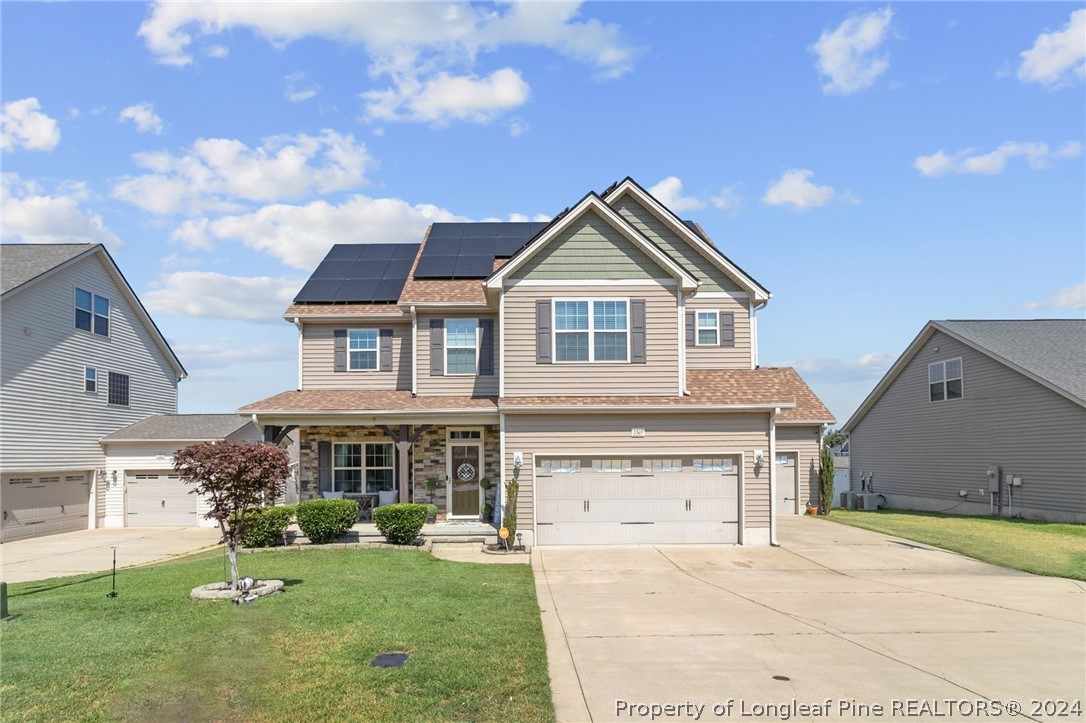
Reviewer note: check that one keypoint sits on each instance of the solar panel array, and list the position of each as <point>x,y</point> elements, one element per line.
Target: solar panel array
<point>468,250</point>
<point>359,273</point>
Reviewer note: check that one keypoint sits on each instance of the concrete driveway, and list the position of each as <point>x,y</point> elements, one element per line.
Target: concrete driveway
<point>836,617</point>
<point>74,553</point>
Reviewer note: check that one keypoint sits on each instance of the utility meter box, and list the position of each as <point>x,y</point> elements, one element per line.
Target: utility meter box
<point>993,478</point>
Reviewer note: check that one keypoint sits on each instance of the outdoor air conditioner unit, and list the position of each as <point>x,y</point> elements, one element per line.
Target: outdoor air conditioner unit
<point>867,501</point>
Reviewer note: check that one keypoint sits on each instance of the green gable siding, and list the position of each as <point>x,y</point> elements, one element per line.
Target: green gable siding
<point>711,278</point>
<point>591,248</point>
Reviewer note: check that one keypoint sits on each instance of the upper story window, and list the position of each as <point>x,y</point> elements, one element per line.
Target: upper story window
<point>708,328</point>
<point>90,379</point>
<point>362,349</point>
<point>118,389</point>
<point>461,346</point>
<point>91,312</point>
<point>602,335</point>
<point>945,380</point>
<point>363,468</point>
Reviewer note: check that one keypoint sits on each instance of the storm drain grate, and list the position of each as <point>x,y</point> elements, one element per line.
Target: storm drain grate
<point>389,660</point>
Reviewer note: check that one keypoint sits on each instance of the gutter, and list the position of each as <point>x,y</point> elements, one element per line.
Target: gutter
<point>597,408</point>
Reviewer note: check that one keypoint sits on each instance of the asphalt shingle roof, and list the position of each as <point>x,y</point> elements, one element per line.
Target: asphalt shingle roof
<point>1052,349</point>
<point>180,427</point>
<point>20,263</point>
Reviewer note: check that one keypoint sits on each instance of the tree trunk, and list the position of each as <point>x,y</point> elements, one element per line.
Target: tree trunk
<point>231,553</point>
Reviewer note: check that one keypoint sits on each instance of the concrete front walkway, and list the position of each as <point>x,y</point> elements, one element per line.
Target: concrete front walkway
<point>74,553</point>
<point>836,616</point>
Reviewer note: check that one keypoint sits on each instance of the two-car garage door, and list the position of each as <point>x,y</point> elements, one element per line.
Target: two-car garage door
<point>35,504</point>
<point>159,498</point>
<point>650,500</point>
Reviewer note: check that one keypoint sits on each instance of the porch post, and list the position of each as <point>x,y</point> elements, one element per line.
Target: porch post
<point>403,445</point>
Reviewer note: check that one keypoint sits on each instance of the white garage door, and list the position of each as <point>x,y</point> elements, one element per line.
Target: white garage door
<point>35,505</point>
<point>159,499</point>
<point>617,501</point>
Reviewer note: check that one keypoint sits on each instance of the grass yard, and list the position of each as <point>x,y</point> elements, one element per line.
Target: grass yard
<point>1043,548</point>
<point>473,632</point>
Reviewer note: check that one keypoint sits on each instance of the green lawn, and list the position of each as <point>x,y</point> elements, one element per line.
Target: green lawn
<point>1044,548</point>
<point>473,632</point>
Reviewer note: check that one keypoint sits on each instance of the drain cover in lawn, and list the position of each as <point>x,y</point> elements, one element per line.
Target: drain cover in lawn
<point>389,660</point>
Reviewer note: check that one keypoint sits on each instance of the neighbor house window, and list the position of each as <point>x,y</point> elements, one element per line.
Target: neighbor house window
<point>611,465</point>
<point>90,379</point>
<point>461,346</point>
<point>118,389</point>
<point>560,466</point>
<point>360,468</point>
<point>91,312</point>
<point>708,328</point>
<point>362,349</point>
<point>945,380</point>
<point>602,335</point>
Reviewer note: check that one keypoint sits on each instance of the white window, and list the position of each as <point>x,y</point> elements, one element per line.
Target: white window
<point>663,465</point>
<point>358,465</point>
<point>91,312</point>
<point>560,466</point>
<point>611,465</point>
<point>90,379</point>
<point>945,380</point>
<point>362,349</point>
<point>708,329</point>
<point>600,336</point>
<point>461,346</point>
<point>713,464</point>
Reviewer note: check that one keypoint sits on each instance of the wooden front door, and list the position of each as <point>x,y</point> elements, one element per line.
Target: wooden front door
<point>465,463</point>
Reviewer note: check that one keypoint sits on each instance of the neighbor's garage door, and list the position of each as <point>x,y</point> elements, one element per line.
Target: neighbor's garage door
<point>616,501</point>
<point>35,505</point>
<point>159,499</point>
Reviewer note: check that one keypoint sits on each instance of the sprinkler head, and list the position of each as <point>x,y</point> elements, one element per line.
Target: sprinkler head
<point>111,593</point>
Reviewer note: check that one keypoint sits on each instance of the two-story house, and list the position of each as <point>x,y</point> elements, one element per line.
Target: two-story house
<point>80,358</point>
<point>606,360</point>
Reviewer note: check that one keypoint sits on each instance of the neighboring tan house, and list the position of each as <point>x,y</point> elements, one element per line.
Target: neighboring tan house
<point>606,360</point>
<point>980,417</point>
<point>140,487</point>
<point>79,358</point>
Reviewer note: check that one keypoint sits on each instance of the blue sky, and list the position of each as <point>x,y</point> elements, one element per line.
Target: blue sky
<point>873,165</point>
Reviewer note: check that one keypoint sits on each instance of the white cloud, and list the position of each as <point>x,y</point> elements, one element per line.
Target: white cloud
<point>1037,155</point>
<point>670,193</point>
<point>728,199</point>
<point>1071,297</point>
<point>867,366</point>
<point>846,55</point>
<point>144,116</point>
<point>31,216</point>
<point>518,127</point>
<point>300,236</point>
<point>298,88</point>
<point>521,217</point>
<point>25,126</point>
<point>217,51</point>
<point>225,352</point>
<point>445,98</point>
<point>217,173</point>
<point>210,295</point>
<point>1057,58</point>
<point>795,188</point>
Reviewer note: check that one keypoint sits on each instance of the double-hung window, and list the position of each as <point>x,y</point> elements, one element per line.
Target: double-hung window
<point>362,467</point>
<point>461,346</point>
<point>362,349</point>
<point>708,328</point>
<point>91,312</point>
<point>90,379</point>
<point>945,380</point>
<point>591,330</point>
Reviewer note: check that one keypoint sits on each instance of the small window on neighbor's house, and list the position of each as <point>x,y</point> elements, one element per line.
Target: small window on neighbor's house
<point>118,389</point>
<point>90,379</point>
<point>91,312</point>
<point>945,380</point>
<point>708,328</point>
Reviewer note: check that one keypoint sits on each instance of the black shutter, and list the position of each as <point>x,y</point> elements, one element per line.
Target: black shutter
<point>691,329</point>
<point>339,337</point>
<point>727,329</point>
<point>437,347</point>
<point>324,466</point>
<point>637,331</point>
<point>543,331</point>
<point>385,349</point>
<point>486,347</point>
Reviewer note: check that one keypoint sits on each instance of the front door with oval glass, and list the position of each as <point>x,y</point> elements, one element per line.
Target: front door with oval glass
<point>465,463</point>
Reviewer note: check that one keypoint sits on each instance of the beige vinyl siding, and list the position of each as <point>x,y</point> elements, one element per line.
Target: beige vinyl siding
<point>591,248</point>
<point>455,384</point>
<point>931,450</point>
<point>658,376</point>
<point>711,277</point>
<point>318,358</point>
<point>609,435</point>
<point>722,357</point>
<point>46,419</point>
<point>125,458</point>
<point>805,441</point>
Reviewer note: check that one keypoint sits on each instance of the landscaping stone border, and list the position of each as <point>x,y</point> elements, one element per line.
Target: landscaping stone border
<point>222,591</point>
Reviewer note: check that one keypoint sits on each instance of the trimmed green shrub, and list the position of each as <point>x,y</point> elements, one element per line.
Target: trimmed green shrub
<point>264,527</point>
<point>431,512</point>
<point>509,522</point>
<point>324,521</point>
<point>400,523</point>
<point>825,480</point>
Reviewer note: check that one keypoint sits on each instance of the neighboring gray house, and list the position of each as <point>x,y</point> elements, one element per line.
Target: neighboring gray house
<point>980,417</point>
<point>79,358</point>
<point>140,488</point>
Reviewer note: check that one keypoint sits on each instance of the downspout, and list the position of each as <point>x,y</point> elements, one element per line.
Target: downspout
<point>754,333</point>
<point>298,324</point>
<point>414,351</point>
<point>682,343</point>
<point>499,492</point>
<point>501,347</point>
<point>772,462</point>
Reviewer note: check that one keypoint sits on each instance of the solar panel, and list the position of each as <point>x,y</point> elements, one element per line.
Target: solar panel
<point>359,273</point>
<point>445,246</point>
<point>405,251</point>
<point>344,251</point>
<point>476,246</point>
<point>469,267</point>
<point>399,269</point>
<point>389,289</point>
<point>357,290</point>
<point>318,291</point>
<point>330,269</point>
<point>435,267</point>
<point>448,243</point>
<point>446,230</point>
<point>377,251</point>
<point>367,269</point>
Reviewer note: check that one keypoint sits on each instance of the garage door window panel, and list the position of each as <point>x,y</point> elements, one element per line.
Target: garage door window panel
<point>713,464</point>
<point>612,465</point>
<point>656,466</point>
